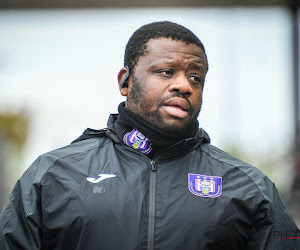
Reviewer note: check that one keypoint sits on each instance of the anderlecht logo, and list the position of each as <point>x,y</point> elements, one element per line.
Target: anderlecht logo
<point>205,185</point>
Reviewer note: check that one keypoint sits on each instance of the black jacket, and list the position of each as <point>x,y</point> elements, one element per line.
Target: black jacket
<point>98,193</point>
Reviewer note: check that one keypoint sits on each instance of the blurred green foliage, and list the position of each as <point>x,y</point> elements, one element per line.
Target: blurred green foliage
<point>14,128</point>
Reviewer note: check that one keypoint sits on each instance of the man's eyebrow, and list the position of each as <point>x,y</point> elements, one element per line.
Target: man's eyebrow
<point>162,61</point>
<point>198,63</point>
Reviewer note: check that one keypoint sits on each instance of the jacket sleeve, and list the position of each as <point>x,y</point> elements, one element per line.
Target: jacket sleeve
<point>20,220</point>
<point>274,227</point>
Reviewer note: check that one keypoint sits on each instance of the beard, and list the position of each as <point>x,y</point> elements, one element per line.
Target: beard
<point>138,102</point>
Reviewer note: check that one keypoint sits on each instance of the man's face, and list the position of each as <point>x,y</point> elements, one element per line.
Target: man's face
<point>166,87</point>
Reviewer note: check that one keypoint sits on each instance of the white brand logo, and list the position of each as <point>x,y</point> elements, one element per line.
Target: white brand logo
<point>102,177</point>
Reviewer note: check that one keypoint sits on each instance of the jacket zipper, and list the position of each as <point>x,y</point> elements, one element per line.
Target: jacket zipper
<point>151,221</point>
<point>152,193</point>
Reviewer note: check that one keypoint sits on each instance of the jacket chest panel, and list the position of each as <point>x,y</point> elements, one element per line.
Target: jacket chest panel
<point>113,202</point>
<point>105,202</point>
<point>183,218</point>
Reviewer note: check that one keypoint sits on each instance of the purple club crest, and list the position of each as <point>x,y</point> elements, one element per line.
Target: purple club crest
<point>138,141</point>
<point>205,185</point>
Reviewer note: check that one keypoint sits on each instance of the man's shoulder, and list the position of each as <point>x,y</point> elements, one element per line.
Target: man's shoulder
<point>91,133</point>
<point>222,156</point>
<point>73,148</point>
<point>263,183</point>
<point>89,140</point>
<point>76,150</point>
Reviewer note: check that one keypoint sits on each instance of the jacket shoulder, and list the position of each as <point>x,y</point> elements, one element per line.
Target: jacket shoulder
<point>45,161</point>
<point>263,183</point>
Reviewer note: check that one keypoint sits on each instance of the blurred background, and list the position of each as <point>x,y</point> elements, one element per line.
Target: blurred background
<point>59,62</point>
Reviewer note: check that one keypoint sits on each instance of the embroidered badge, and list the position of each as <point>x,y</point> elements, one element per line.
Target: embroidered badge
<point>138,141</point>
<point>205,185</point>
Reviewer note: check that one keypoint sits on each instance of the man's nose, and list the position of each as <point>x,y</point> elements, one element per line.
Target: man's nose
<point>180,83</point>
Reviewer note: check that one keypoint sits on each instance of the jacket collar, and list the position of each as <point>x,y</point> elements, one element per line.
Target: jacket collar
<point>200,136</point>
<point>182,147</point>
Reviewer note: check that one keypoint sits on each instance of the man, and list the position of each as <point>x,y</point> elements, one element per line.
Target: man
<point>151,180</point>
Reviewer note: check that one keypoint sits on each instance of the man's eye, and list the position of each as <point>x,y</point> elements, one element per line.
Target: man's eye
<point>196,79</point>
<point>165,72</point>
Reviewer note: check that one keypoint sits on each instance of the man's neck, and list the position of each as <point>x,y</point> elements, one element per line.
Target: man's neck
<point>159,138</point>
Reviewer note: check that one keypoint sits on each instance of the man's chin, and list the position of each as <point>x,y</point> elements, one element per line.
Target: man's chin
<point>176,126</point>
<point>168,123</point>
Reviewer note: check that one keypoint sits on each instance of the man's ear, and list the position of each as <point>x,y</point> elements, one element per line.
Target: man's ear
<point>123,77</point>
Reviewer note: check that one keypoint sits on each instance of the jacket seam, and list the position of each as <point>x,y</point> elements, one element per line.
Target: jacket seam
<point>238,168</point>
<point>57,159</point>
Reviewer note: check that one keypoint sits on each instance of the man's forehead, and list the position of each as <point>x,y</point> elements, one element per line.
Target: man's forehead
<point>197,62</point>
<point>167,50</point>
<point>167,42</point>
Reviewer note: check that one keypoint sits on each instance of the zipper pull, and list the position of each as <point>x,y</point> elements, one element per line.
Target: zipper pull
<point>153,165</point>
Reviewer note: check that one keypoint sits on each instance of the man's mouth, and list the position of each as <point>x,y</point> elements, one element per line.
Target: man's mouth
<point>177,107</point>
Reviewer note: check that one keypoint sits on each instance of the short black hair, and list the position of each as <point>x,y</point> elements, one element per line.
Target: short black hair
<point>136,45</point>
